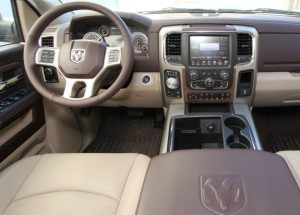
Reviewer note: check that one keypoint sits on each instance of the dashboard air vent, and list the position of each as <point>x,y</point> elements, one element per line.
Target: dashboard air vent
<point>244,44</point>
<point>47,41</point>
<point>244,48</point>
<point>173,48</point>
<point>50,30</point>
<point>173,44</point>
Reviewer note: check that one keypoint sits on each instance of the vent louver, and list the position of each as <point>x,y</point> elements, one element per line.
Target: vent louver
<point>244,44</point>
<point>50,30</point>
<point>47,41</point>
<point>173,44</point>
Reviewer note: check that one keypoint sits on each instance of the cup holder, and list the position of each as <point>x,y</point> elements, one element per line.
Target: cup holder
<point>237,140</point>
<point>236,124</point>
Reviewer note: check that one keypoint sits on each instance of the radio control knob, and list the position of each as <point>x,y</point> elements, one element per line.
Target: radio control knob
<point>209,82</point>
<point>172,83</point>
<point>224,75</point>
<point>194,75</point>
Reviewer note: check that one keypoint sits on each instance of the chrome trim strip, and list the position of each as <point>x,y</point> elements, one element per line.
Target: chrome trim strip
<point>252,65</point>
<point>164,65</point>
<point>243,109</point>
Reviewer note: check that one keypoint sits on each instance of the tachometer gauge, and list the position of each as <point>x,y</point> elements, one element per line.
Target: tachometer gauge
<point>139,41</point>
<point>104,31</point>
<point>92,36</point>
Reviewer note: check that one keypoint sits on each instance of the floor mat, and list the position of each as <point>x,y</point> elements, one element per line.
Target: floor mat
<point>120,133</point>
<point>278,128</point>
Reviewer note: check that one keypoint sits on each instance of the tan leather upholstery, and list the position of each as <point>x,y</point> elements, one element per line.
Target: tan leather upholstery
<point>73,184</point>
<point>292,159</point>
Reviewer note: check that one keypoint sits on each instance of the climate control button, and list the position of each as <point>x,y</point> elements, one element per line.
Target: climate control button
<point>194,75</point>
<point>209,82</point>
<point>224,75</point>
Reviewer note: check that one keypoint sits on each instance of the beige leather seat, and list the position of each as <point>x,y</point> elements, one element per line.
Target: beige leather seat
<point>292,159</point>
<point>73,184</point>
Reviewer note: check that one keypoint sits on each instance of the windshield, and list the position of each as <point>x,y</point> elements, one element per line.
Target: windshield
<point>174,5</point>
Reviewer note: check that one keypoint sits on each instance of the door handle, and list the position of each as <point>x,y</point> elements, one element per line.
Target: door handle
<point>6,83</point>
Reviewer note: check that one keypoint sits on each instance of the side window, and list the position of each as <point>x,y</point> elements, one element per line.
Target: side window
<point>8,29</point>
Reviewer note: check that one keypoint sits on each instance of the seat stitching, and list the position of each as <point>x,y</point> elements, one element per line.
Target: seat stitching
<point>61,191</point>
<point>12,199</point>
<point>127,180</point>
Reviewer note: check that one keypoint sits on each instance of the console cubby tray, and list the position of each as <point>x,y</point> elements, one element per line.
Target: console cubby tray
<point>229,131</point>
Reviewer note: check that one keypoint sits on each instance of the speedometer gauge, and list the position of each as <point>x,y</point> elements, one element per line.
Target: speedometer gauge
<point>140,41</point>
<point>92,36</point>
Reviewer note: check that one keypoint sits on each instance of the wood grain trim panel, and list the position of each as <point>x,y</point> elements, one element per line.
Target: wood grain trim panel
<point>186,91</point>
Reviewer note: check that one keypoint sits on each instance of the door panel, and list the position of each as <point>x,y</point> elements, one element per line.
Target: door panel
<point>21,107</point>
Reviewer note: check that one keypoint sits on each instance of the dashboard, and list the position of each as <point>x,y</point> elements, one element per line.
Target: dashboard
<point>188,58</point>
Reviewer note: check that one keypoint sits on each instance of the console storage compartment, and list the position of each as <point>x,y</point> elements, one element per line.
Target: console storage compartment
<point>210,132</point>
<point>198,133</point>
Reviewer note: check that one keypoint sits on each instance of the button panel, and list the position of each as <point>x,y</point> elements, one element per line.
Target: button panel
<point>114,56</point>
<point>9,101</point>
<point>210,61</point>
<point>172,84</point>
<point>47,56</point>
<point>209,79</point>
<point>208,96</point>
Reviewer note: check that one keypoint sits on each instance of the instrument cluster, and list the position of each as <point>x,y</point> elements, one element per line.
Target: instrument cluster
<point>110,34</point>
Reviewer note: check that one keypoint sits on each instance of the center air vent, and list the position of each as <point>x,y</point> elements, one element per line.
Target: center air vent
<point>244,47</point>
<point>173,48</point>
<point>47,42</point>
<point>244,44</point>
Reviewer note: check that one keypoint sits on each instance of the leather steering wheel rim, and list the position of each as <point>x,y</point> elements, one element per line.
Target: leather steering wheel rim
<point>32,46</point>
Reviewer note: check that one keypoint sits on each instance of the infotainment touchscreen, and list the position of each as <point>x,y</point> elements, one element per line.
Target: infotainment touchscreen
<point>209,51</point>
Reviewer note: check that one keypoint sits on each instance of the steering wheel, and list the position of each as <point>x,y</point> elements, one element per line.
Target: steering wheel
<point>82,63</point>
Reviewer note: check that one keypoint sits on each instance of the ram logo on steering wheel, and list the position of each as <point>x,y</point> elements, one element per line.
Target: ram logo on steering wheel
<point>77,55</point>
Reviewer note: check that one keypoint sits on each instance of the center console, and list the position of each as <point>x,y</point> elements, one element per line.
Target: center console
<point>208,64</point>
<point>209,75</point>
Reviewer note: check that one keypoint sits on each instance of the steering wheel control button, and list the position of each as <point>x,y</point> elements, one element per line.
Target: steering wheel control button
<point>114,56</point>
<point>146,79</point>
<point>47,56</point>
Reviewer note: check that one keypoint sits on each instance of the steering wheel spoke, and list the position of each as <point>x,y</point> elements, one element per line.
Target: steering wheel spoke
<point>47,56</point>
<point>75,87</point>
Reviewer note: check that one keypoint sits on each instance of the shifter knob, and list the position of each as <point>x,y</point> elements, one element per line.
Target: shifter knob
<point>172,83</point>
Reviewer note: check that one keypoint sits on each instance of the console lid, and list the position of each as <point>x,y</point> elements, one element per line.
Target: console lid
<point>219,182</point>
